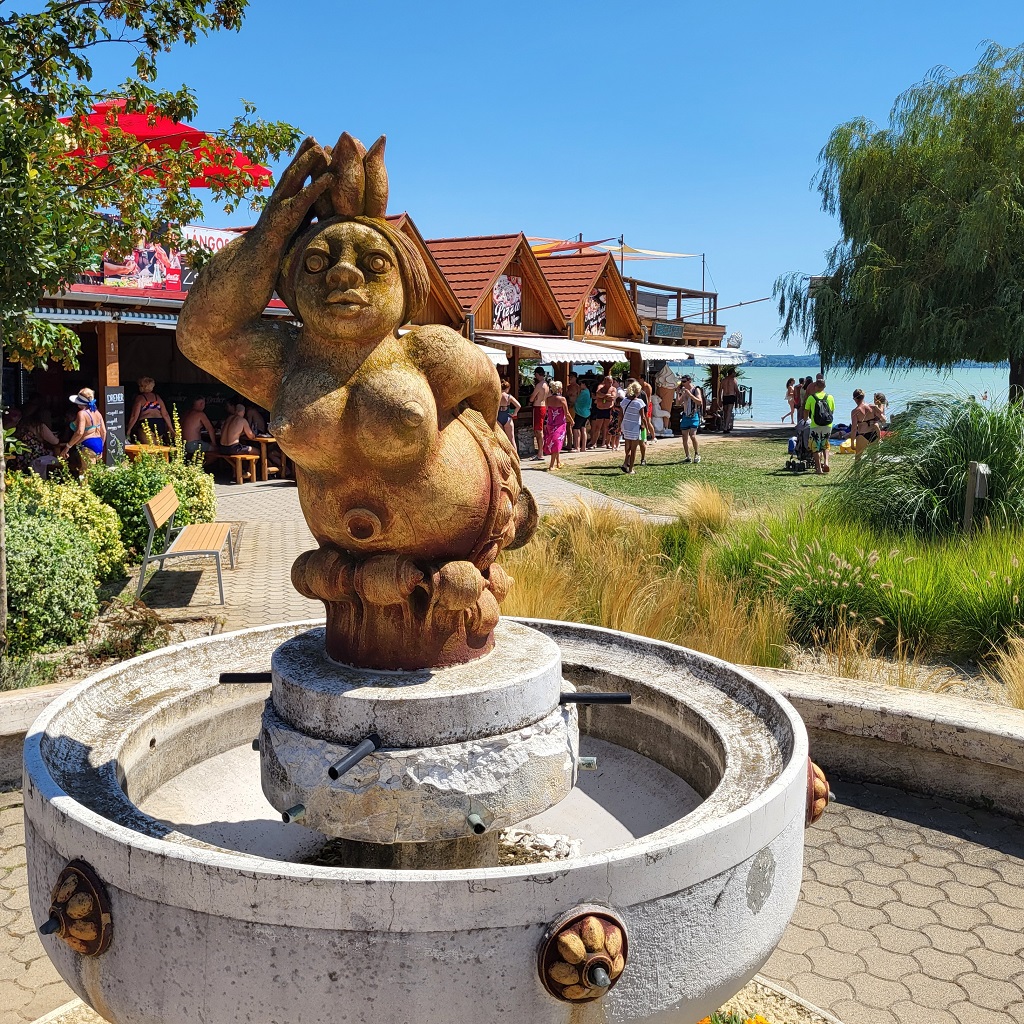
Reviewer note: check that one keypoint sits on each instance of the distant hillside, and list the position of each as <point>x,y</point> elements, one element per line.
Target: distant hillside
<point>784,359</point>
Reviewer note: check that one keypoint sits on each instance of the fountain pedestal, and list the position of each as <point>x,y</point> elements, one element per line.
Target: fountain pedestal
<point>461,751</point>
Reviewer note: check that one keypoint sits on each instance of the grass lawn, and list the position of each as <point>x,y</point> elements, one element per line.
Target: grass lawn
<point>751,470</point>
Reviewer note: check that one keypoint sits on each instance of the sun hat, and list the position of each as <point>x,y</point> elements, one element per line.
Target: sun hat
<point>79,400</point>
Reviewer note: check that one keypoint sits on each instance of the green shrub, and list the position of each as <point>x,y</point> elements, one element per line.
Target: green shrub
<point>194,487</point>
<point>21,673</point>
<point>127,486</point>
<point>73,501</point>
<point>51,570</point>
<point>916,480</point>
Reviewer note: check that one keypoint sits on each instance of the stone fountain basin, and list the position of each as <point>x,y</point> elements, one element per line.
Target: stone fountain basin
<point>201,933</point>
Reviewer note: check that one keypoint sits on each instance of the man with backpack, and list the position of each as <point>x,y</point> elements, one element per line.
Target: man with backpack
<point>820,407</point>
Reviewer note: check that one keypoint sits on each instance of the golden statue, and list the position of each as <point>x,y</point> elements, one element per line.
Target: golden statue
<point>406,483</point>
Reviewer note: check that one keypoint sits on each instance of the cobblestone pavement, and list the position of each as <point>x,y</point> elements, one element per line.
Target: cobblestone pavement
<point>29,984</point>
<point>911,912</point>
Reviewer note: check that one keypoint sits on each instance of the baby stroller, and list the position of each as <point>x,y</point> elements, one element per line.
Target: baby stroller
<point>801,457</point>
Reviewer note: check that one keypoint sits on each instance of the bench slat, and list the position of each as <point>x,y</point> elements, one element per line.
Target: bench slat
<point>201,537</point>
<point>161,506</point>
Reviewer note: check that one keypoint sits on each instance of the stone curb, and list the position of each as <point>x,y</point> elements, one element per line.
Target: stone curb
<point>18,710</point>
<point>929,743</point>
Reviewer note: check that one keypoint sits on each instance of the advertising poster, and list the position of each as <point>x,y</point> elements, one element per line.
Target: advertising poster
<point>508,303</point>
<point>595,312</point>
<point>152,266</point>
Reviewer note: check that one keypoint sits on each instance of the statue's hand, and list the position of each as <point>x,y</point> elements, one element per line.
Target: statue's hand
<point>293,199</point>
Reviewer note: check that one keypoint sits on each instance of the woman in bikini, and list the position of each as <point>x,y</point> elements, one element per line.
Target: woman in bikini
<point>791,400</point>
<point>865,421</point>
<point>149,409</point>
<point>507,409</point>
<point>90,436</point>
<point>604,399</point>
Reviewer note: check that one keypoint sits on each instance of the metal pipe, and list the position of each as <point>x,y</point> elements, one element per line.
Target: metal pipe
<point>477,824</point>
<point>354,756</point>
<point>50,926</point>
<point>598,977</point>
<point>586,764</point>
<point>296,813</point>
<point>595,698</point>
<point>246,677</point>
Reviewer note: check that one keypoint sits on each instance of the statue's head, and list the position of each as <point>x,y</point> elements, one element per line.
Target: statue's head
<point>349,274</point>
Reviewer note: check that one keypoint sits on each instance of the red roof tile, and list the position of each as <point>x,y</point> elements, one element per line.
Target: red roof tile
<point>572,277</point>
<point>471,264</point>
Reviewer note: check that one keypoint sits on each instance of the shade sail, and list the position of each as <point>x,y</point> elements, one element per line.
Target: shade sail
<point>703,355</point>
<point>217,160</point>
<point>556,348</point>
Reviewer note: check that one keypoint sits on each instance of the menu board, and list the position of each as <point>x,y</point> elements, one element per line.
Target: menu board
<point>113,413</point>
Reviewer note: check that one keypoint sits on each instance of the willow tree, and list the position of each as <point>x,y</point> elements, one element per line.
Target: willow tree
<point>929,270</point>
<point>71,190</point>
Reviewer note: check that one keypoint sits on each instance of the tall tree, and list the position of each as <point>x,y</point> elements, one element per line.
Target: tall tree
<point>930,266</point>
<point>71,190</point>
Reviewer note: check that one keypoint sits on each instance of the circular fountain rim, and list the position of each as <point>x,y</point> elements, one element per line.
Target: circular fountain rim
<point>774,806</point>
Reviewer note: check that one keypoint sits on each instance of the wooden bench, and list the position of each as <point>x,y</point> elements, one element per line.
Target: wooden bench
<point>244,466</point>
<point>195,541</point>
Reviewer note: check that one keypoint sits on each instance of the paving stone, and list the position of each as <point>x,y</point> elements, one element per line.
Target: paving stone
<point>932,992</point>
<point>857,917</point>
<point>911,1013</point>
<point>1008,895</point>
<point>928,874</point>
<point>934,855</point>
<point>944,966</point>
<point>1003,917</point>
<point>884,963</point>
<point>903,915</point>
<point>831,963</point>
<point>990,992</point>
<point>917,895</point>
<point>846,939</point>
<point>993,964</point>
<point>962,918</point>
<point>951,940</point>
<point>1001,940</point>
<point>899,940</point>
<point>965,895</point>
<point>857,1013</point>
<point>800,940</point>
<point>970,1013</point>
<point>877,993</point>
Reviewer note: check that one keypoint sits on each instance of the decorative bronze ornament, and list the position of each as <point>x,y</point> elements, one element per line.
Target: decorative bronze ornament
<point>818,793</point>
<point>583,954</point>
<point>80,910</point>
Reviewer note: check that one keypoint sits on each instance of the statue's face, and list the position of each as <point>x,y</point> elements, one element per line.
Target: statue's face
<point>347,285</point>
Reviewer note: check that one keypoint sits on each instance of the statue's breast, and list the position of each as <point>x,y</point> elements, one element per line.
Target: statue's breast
<point>382,416</point>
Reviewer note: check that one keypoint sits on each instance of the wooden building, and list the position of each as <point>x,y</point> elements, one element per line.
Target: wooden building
<point>508,301</point>
<point>594,300</point>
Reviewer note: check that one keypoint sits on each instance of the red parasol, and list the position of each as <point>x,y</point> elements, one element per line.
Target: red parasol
<point>217,159</point>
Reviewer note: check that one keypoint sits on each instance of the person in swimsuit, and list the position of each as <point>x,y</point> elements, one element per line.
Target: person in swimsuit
<point>555,425</point>
<point>538,398</point>
<point>604,399</point>
<point>691,403</point>
<point>90,432</point>
<point>507,409</point>
<point>790,400</point>
<point>39,440</point>
<point>149,408</point>
<point>582,408</point>
<point>865,423</point>
<point>234,428</point>
<point>730,393</point>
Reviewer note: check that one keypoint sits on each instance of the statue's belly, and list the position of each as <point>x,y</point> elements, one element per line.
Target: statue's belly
<point>439,509</point>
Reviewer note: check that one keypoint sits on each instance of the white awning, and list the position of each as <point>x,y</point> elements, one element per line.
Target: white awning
<point>556,348</point>
<point>702,355</point>
<point>496,355</point>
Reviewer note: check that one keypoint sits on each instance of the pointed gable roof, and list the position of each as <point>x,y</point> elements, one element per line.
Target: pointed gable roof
<point>440,290</point>
<point>473,264</point>
<point>573,278</point>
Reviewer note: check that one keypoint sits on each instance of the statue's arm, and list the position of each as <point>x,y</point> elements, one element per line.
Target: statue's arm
<point>221,326</point>
<point>458,371</point>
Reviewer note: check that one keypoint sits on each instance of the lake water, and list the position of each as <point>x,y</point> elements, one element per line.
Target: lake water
<point>769,384</point>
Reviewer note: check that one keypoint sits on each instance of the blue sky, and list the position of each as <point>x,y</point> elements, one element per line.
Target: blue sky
<point>685,127</point>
